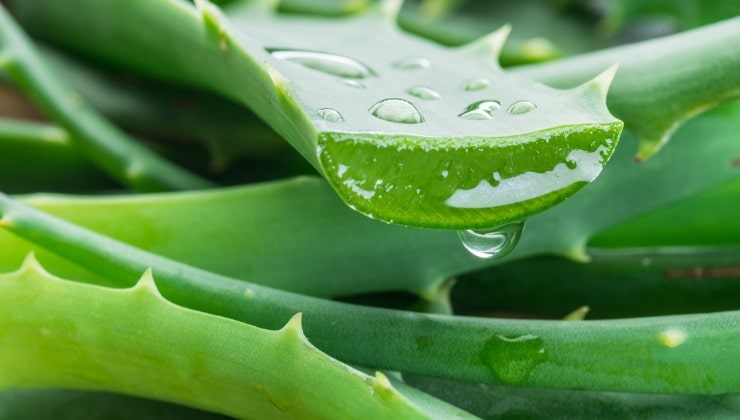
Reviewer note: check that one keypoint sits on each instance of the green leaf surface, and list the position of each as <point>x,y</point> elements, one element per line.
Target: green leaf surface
<point>58,166</point>
<point>450,114</point>
<point>542,31</point>
<point>248,232</point>
<point>709,218</point>
<point>58,333</point>
<point>615,283</point>
<point>685,351</point>
<point>111,149</point>
<point>53,404</point>
<point>497,402</point>
<point>169,112</point>
<point>661,83</point>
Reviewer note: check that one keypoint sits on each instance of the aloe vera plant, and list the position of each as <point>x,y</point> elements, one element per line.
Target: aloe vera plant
<point>201,298</point>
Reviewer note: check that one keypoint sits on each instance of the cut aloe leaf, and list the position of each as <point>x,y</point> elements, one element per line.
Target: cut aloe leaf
<point>420,135</point>
<point>406,131</point>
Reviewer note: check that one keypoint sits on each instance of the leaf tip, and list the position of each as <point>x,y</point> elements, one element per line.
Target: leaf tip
<point>278,81</point>
<point>269,5</point>
<point>648,147</point>
<point>294,327</point>
<point>489,45</point>
<point>146,284</point>
<point>600,84</point>
<point>390,9</point>
<point>213,20</point>
<point>578,315</point>
<point>31,263</point>
<point>578,254</point>
<point>382,385</point>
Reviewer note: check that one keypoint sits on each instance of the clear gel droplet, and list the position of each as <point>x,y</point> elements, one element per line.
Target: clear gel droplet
<point>482,110</point>
<point>492,243</point>
<point>412,63</point>
<point>476,84</point>
<point>423,92</point>
<point>352,83</point>
<point>331,115</point>
<point>521,107</point>
<point>512,359</point>
<point>396,110</point>
<point>333,64</point>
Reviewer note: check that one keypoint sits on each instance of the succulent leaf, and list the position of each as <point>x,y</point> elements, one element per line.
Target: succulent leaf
<point>606,355</point>
<point>58,333</point>
<point>407,136</point>
<point>661,82</point>
<point>405,130</point>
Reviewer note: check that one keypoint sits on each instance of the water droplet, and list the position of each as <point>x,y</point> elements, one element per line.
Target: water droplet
<point>492,243</point>
<point>423,92</point>
<point>512,359</point>
<point>330,115</point>
<point>396,110</point>
<point>352,83</point>
<point>337,65</point>
<point>476,84</point>
<point>482,110</point>
<point>571,163</point>
<point>412,63</point>
<point>521,107</point>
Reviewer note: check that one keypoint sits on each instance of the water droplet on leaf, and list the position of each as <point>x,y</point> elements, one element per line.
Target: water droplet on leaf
<point>476,84</point>
<point>337,65</point>
<point>521,107</point>
<point>352,83</point>
<point>423,92</point>
<point>412,63</point>
<point>512,359</point>
<point>492,243</point>
<point>331,115</point>
<point>482,110</point>
<point>396,110</point>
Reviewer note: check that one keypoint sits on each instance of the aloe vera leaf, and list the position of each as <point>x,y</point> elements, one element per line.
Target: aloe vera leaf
<point>61,167</point>
<point>688,354</point>
<point>458,154</point>
<point>321,7</point>
<point>616,283</point>
<point>416,260</point>
<point>653,95</point>
<point>175,113</point>
<point>54,404</point>
<point>53,329</point>
<point>496,401</point>
<point>709,218</point>
<point>111,149</point>
<point>557,231</point>
<point>411,259</point>
<point>662,82</point>
<point>248,232</point>
<point>541,31</point>
<point>56,164</point>
<point>683,14</point>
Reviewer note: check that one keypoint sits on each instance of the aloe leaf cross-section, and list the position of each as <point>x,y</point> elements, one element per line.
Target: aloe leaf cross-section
<point>405,130</point>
